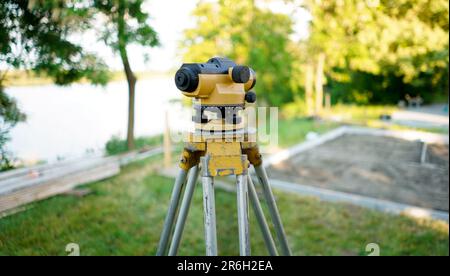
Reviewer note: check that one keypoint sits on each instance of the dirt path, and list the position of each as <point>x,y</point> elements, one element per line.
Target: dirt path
<point>380,167</point>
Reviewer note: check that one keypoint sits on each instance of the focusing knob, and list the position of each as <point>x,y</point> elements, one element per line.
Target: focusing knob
<point>186,79</point>
<point>240,74</point>
<point>250,97</point>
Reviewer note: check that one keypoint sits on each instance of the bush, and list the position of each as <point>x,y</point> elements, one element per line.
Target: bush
<point>116,145</point>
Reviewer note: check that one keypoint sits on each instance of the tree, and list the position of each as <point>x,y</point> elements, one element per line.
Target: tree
<point>34,35</point>
<point>10,115</point>
<point>126,23</point>
<point>379,50</point>
<point>250,35</point>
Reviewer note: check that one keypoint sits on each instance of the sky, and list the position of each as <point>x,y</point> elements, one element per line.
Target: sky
<point>169,18</point>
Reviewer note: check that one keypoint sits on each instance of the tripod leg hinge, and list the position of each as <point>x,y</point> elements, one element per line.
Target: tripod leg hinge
<point>253,156</point>
<point>189,159</point>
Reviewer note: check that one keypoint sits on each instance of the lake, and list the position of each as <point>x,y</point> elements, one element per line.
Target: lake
<point>72,121</point>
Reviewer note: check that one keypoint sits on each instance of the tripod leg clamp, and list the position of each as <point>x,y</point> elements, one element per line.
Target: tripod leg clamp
<point>253,155</point>
<point>189,159</point>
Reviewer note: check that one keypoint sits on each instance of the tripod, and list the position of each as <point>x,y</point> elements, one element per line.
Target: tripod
<point>222,146</point>
<point>218,156</point>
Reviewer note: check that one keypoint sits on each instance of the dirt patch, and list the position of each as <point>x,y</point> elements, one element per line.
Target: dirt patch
<point>380,167</point>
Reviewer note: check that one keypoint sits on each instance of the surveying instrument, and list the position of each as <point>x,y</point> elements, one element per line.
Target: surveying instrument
<point>221,145</point>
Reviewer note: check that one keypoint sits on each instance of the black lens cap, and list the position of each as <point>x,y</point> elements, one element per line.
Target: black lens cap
<point>240,74</point>
<point>186,79</point>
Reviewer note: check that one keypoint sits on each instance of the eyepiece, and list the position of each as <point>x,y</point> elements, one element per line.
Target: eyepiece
<point>186,79</point>
<point>240,74</point>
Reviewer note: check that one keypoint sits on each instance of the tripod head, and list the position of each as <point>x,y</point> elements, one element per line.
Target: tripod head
<point>220,89</point>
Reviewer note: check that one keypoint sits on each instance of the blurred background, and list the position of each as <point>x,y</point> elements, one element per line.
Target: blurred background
<point>84,80</point>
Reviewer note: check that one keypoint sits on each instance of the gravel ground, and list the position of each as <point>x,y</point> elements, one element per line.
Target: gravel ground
<point>380,167</point>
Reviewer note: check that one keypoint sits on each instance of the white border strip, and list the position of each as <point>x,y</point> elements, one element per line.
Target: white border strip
<point>363,201</point>
<point>409,135</point>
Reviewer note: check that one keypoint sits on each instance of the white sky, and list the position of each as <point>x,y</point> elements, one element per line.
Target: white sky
<point>169,19</point>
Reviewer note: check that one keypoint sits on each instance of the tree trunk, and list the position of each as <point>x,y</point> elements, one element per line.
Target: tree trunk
<point>327,101</point>
<point>319,83</point>
<point>131,78</point>
<point>131,96</point>
<point>309,80</point>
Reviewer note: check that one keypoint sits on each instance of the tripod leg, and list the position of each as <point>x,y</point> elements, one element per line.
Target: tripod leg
<point>273,209</point>
<point>173,207</point>
<point>184,210</point>
<point>261,219</point>
<point>242,206</point>
<point>209,215</point>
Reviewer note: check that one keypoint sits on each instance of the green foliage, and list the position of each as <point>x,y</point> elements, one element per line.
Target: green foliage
<point>125,23</point>
<point>9,112</point>
<point>10,115</point>
<point>377,51</point>
<point>380,50</point>
<point>34,35</point>
<point>250,35</point>
<point>116,145</point>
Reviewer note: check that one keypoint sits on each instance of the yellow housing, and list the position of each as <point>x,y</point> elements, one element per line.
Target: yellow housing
<point>220,90</point>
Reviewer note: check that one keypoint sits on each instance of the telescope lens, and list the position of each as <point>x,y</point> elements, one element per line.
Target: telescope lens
<point>186,79</point>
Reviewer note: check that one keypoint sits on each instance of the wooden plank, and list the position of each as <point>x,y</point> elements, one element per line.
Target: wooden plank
<point>20,182</point>
<point>42,167</point>
<point>127,158</point>
<point>37,174</point>
<point>57,185</point>
<point>25,185</point>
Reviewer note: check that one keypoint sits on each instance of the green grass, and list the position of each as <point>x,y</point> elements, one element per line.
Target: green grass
<point>294,131</point>
<point>124,216</point>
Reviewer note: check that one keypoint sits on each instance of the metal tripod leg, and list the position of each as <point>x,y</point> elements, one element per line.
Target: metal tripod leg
<point>209,212</point>
<point>273,209</point>
<point>173,207</point>
<point>242,206</point>
<point>184,210</point>
<point>261,219</point>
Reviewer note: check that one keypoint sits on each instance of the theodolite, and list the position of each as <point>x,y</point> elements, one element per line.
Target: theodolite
<point>220,145</point>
